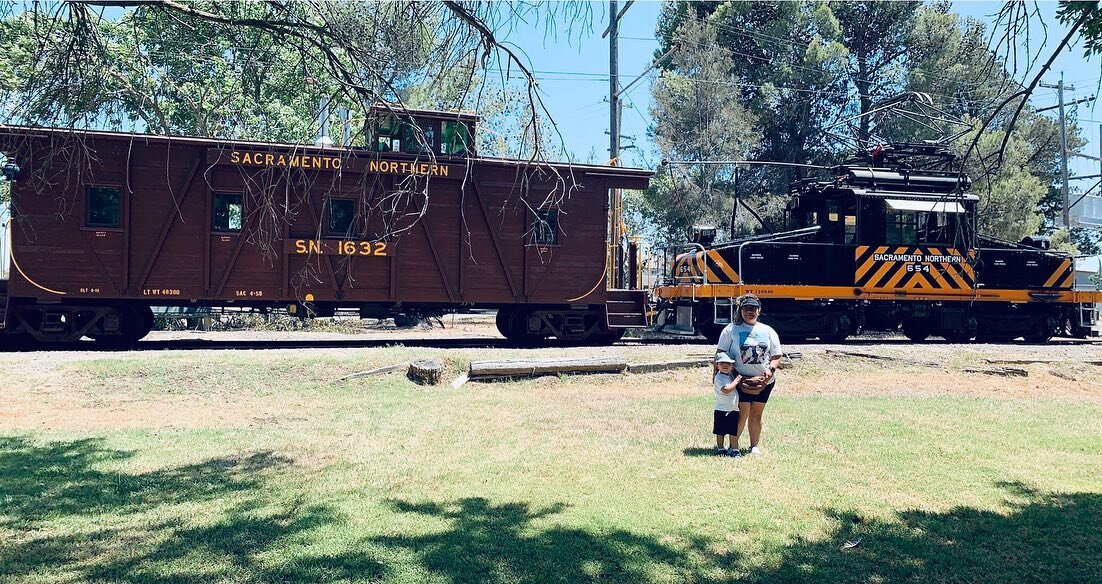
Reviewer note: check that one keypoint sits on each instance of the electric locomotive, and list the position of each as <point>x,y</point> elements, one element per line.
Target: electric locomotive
<point>888,242</point>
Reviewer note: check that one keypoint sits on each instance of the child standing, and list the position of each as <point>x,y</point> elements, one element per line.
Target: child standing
<point>725,417</point>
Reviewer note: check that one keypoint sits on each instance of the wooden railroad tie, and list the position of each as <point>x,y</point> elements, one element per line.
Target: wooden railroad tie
<point>497,369</point>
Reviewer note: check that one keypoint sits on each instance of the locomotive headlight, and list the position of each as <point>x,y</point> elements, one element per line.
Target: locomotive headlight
<point>10,170</point>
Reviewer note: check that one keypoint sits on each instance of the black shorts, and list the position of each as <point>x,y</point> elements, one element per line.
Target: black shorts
<point>759,398</point>
<point>725,422</point>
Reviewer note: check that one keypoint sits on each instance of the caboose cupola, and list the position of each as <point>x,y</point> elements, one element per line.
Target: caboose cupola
<point>409,131</point>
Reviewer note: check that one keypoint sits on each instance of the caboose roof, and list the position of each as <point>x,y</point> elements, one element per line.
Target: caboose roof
<point>43,132</point>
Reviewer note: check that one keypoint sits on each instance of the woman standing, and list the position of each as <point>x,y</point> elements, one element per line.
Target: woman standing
<point>759,353</point>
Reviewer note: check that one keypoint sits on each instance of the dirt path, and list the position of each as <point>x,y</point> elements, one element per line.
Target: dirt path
<point>76,389</point>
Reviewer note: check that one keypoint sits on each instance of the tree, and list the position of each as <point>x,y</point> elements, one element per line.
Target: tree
<point>876,35</point>
<point>698,117</point>
<point>808,69</point>
<point>1010,194</point>
<point>256,70</point>
<point>784,65</point>
<point>253,69</point>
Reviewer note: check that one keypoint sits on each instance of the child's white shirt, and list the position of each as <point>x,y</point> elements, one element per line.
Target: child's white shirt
<point>725,402</point>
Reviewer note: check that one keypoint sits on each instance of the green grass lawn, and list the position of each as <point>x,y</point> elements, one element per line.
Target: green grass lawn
<point>596,478</point>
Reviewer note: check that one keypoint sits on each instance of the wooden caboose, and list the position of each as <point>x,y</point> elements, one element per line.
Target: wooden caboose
<point>105,225</point>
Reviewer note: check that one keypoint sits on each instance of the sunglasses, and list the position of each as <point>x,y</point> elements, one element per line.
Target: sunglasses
<point>750,308</point>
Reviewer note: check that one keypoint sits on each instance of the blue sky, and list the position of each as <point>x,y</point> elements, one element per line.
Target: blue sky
<point>573,76</point>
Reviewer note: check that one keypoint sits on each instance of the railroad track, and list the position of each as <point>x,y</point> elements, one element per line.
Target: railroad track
<point>450,343</point>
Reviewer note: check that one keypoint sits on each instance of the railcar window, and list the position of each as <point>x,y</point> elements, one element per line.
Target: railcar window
<point>423,143</point>
<point>902,227</point>
<point>455,138</point>
<point>341,214</point>
<point>103,207</point>
<point>545,231</point>
<point>228,211</point>
<point>388,134</point>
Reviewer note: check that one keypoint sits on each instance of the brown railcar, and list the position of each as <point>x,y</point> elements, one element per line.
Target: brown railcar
<point>106,225</point>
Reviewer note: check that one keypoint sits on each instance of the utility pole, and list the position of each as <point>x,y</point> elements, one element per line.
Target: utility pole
<point>1060,87</point>
<point>615,202</point>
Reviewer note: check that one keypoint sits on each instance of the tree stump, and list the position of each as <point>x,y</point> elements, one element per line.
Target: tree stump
<point>426,371</point>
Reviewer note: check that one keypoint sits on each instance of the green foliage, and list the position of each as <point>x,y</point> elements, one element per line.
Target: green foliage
<point>245,70</point>
<point>1010,194</point>
<point>713,126</point>
<point>876,35</point>
<point>1061,240</point>
<point>1073,10</point>
<point>802,66</point>
<point>777,62</point>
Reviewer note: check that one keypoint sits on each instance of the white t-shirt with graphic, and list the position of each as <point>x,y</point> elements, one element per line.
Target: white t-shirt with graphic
<point>751,346</point>
<point>725,402</point>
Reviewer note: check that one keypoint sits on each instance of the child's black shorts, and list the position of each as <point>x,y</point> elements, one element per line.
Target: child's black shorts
<point>725,422</point>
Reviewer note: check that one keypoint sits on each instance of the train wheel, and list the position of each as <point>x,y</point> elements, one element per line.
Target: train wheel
<point>135,322</point>
<point>916,329</point>
<point>842,329</point>
<point>965,334</point>
<point>502,321</point>
<point>514,326</point>
<point>1045,328</point>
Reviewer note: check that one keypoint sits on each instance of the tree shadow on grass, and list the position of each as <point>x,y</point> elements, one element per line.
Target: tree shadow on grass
<point>44,486</point>
<point>1042,537</point>
<point>48,481</point>
<point>65,518</point>
<point>497,543</point>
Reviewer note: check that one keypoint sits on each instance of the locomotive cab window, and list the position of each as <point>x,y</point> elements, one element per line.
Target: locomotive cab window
<point>103,208</point>
<point>839,222</point>
<point>228,212</point>
<point>921,222</point>
<point>545,229</point>
<point>341,214</point>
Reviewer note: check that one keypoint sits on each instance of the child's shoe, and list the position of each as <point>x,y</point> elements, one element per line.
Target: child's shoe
<point>721,451</point>
<point>734,452</point>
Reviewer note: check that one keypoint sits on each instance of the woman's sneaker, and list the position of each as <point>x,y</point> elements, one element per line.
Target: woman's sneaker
<point>734,452</point>
<point>754,450</point>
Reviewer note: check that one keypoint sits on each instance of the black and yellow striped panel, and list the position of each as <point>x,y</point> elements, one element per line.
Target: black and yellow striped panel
<point>1062,277</point>
<point>912,268</point>
<point>704,267</point>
